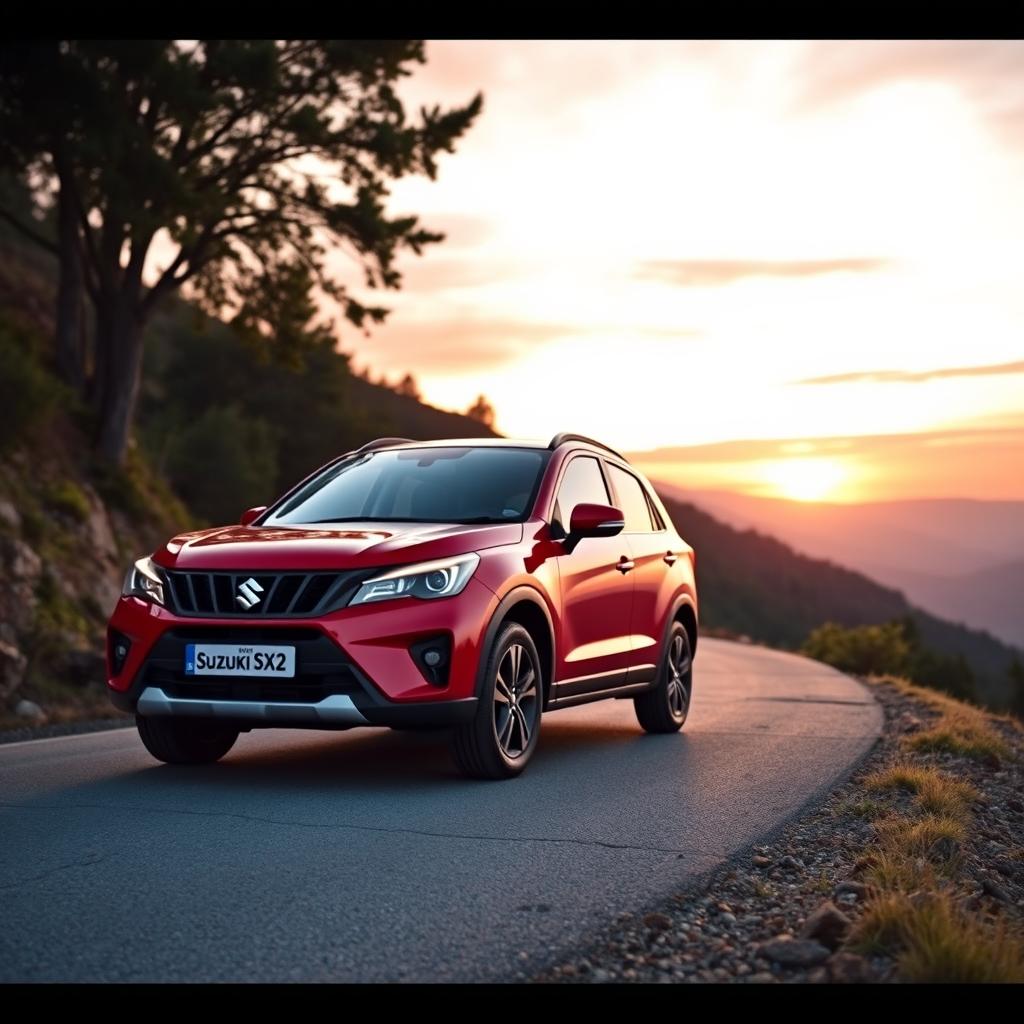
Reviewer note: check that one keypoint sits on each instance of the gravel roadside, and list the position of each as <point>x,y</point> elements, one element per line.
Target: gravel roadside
<point>783,911</point>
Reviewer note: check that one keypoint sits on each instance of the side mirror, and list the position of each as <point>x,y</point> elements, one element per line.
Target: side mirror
<point>595,521</point>
<point>252,514</point>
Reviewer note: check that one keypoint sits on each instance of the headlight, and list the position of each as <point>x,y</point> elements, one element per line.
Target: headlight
<point>144,580</point>
<point>443,578</point>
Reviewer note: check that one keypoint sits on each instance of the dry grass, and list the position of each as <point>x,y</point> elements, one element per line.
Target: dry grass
<point>912,854</point>
<point>962,729</point>
<point>934,941</point>
<point>954,738</point>
<point>894,874</point>
<point>936,793</point>
<point>912,912</point>
<point>862,807</point>
<point>936,839</point>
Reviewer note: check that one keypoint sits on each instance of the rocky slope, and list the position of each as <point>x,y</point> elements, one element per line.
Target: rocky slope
<point>64,548</point>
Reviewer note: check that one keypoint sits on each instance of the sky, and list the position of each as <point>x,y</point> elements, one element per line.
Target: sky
<point>788,268</point>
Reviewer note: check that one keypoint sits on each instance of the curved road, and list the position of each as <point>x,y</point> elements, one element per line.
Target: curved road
<point>362,856</point>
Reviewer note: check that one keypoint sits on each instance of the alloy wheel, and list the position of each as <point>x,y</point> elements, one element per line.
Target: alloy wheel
<point>679,668</point>
<point>516,701</point>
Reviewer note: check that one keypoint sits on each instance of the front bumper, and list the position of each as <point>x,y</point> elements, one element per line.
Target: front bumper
<point>353,667</point>
<point>336,711</point>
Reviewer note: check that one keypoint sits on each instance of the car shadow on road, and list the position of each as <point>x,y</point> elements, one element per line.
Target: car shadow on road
<point>378,759</point>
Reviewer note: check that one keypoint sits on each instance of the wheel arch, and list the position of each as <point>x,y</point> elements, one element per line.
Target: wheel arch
<point>527,607</point>
<point>686,614</point>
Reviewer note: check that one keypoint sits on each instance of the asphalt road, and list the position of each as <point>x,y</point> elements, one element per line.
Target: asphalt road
<point>362,856</point>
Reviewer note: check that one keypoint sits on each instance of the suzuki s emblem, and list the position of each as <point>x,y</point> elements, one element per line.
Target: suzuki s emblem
<point>249,594</point>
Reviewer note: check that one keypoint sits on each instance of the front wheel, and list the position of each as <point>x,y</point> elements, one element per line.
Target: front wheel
<point>501,738</point>
<point>185,741</point>
<point>664,708</point>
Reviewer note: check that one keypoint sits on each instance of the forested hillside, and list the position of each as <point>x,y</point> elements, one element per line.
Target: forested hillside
<point>223,425</point>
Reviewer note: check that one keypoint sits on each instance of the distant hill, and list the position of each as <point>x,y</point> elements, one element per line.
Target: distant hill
<point>992,597</point>
<point>396,415</point>
<point>958,558</point>
<point>753,584</point>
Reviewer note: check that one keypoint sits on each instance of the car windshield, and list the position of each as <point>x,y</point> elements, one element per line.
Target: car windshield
<point>422,485</point>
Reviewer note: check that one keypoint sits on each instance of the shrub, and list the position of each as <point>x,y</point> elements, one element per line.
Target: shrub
<point>67,497</point>
<point>893,648</point>
<point>27,392</point>
<point>224,462</point>
<point>863,650</point>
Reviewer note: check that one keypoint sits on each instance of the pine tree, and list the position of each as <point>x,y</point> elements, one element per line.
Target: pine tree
<point>249,160</point>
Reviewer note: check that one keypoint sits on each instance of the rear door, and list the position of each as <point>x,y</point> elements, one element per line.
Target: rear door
<point>597,595</point>
<point>649,544</point>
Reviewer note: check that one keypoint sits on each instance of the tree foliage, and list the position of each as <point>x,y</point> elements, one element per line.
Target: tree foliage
<point>864,650</point>
<point>221,461</point>
<point>408,387</point>
<point>244,165</point>
<point>482,411</point>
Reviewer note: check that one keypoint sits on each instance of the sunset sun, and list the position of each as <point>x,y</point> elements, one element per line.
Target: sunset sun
<point>805,479</point>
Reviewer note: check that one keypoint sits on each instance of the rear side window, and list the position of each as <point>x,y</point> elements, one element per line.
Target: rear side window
<point>581,484</point>
<point>632,500</point>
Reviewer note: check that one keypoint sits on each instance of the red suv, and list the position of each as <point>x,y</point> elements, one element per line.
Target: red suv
<point>467,585</point>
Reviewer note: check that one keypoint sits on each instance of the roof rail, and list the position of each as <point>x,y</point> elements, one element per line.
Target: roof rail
<point>562,438</point>
<point>382,442</point>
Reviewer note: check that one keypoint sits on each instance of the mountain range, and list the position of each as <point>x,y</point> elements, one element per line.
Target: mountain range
<point>757,585</point>
<point>957,558</point>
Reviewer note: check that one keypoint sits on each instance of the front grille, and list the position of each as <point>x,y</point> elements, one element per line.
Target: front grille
<point>321,667</point>
<point>278,595</point>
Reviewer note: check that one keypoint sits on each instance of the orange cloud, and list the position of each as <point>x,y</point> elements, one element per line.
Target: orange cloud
<point>698,273</point>
<point>988,70</point>
<point>886,467</point>
<point>914,376</point>
<point>457,345</point>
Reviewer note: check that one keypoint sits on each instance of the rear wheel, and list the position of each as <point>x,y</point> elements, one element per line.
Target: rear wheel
<point>664,708</point>
<point>500,740</point>
<point>185,741</point>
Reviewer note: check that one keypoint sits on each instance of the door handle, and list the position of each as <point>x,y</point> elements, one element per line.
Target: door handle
<point>624,565</point>
<point>670,558</point>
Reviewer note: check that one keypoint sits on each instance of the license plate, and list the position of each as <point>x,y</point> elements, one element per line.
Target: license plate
<point>239,660</point>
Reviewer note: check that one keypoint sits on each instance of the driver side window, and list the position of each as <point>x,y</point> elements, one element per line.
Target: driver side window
<point>582,483</point>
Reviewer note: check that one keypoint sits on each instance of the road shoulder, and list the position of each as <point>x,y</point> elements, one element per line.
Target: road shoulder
<point>911,869</point>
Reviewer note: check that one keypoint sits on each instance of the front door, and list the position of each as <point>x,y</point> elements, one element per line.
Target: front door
<point>653,586</point>
<point>597,596</point>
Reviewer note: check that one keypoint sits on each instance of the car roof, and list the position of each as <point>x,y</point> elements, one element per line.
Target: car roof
<point>470,442</point>
<point>387,444</point>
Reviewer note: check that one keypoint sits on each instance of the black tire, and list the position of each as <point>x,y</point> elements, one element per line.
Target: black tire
<point>664,708</point>
<point>185,741</point>
<point>500,740</point>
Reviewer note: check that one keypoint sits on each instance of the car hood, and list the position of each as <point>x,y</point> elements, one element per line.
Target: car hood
<point>352,546</point>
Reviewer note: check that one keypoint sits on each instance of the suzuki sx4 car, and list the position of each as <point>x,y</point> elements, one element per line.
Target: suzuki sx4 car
<point>460,585</point>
